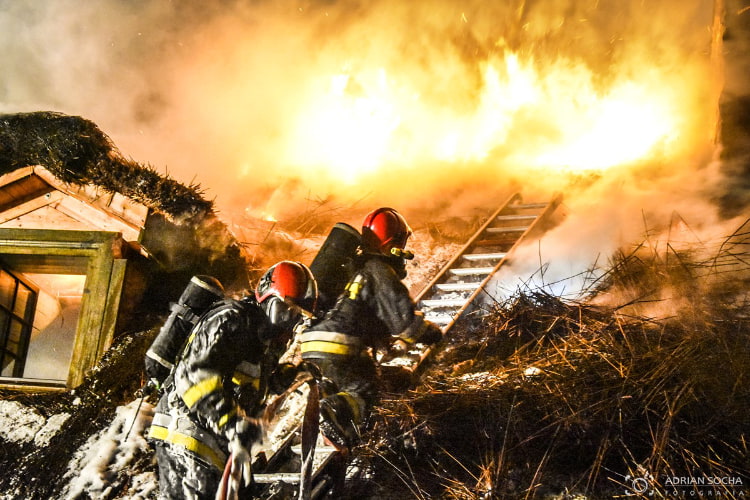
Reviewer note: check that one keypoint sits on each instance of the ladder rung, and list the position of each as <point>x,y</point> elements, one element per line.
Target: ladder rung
<point>470,271</point>
<point>457,287</point>
<point>484,256</point>
<point>514,229</point>
<point>516,217</point>
<point>442,302</point>
<point>521,206</point>
<point>442,319</point>
<point>318,449</point>
<point>275,477</point>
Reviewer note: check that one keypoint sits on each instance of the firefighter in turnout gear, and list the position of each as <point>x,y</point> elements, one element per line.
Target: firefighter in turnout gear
<point>374,311</point>
<point>212,399</point>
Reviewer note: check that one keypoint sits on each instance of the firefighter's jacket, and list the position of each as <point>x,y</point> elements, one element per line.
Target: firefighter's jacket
<point>374,309</point>
<point>221,376</point>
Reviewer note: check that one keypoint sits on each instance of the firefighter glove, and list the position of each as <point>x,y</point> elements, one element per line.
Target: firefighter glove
<point>150,388</point>
<point>247,431</point>
<point>240,468</point>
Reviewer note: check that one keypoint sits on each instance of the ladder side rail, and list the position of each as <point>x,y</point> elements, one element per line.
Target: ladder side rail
<point>444,270</point>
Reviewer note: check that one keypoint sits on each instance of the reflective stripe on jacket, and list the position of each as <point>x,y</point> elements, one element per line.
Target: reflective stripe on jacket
<point>182,432</point>
<point>331,343</point>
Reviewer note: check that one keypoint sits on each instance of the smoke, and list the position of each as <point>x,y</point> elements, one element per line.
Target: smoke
<point>435,107</point>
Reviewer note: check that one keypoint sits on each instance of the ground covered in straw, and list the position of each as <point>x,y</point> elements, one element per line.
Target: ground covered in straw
<point>640,390</point>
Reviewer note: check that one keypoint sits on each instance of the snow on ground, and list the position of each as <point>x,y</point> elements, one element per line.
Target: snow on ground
<point>105,455</point>
<point>102,466</point>
<point>20,424</point>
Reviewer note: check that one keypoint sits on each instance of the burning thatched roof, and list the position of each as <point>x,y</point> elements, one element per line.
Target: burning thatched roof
<point>77,151</point>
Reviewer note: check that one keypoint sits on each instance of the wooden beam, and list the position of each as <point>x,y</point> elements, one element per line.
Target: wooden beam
<point>15,175</point>
<point>112,306</point>
<point>99,219</point>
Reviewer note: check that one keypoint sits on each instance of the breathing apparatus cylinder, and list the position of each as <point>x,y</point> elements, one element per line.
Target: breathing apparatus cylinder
<point>334,263</point>
<point>197,297</point>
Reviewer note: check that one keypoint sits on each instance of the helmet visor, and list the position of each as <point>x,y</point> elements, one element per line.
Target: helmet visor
<point>279,313</point>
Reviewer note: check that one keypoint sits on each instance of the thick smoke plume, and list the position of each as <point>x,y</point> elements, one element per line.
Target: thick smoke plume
<point>437,107</point>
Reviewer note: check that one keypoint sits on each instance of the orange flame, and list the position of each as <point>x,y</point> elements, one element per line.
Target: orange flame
<point>557,119</point>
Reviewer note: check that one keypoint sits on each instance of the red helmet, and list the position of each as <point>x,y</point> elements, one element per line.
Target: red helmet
<point>383,230</point>
<point>291,282</point>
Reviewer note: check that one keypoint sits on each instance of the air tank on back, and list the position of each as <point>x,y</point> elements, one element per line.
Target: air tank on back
<point>334,263</point>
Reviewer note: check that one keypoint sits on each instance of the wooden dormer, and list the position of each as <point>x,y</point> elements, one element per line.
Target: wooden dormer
<point>64,252</point>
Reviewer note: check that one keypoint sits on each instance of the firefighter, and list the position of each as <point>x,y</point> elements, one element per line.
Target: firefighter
<point>374,311</point>
<point>211,401</point>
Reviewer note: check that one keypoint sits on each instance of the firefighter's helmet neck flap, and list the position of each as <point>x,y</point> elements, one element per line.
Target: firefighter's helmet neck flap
<point>385,233</point>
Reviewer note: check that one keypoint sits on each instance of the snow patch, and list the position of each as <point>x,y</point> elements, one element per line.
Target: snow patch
<point>51,427</point>
<point>143,486</point>
<point>21,424</point>
<point>95,466</point>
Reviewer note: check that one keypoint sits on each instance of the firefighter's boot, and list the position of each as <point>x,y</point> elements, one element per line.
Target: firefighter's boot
<point>337,421</point>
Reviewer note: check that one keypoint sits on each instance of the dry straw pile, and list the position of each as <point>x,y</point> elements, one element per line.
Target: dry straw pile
<point>597,398</point>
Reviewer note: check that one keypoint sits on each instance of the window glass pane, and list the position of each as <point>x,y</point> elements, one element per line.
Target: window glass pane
<point>7,289</point>
<point>8,365</point>
<point>22,300</point>
<point>4,316</point>
<point>14,334</point>
<point>50,346</point>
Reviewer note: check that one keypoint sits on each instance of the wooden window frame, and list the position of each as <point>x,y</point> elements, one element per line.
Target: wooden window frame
<point>26,321</point>
<point>105,271</point>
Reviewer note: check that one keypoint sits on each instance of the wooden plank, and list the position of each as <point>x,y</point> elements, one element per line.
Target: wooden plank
<point>133,212</point>
<point>89,341</point>
<point>15,175</point>
<point>22,190</point>
<point>112,307</point>
<point>114,205</point>
<point>31,205</point>
<point>96,217</point>
<point>44,218</point>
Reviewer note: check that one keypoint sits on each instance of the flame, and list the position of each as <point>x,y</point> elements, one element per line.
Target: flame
<point>555,118</point>
<point>345,130</point>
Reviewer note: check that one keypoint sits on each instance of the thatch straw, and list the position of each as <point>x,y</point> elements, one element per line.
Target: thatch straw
<point>548,396</point>
<point>77,151</point>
